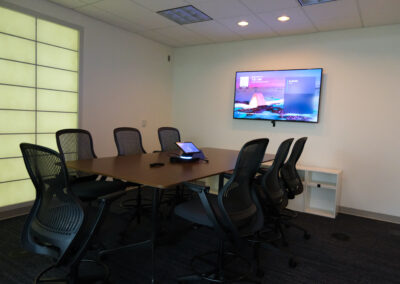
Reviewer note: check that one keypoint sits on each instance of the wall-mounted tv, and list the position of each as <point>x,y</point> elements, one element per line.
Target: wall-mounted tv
<point>278,95</point>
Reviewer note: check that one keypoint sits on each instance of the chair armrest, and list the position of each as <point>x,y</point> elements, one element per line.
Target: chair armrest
<point>196,188</point>
<point>111,196</point>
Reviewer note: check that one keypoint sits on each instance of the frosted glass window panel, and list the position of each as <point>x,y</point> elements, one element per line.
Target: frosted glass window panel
<point>49,78</point>
<point>12,169</point>
<point>10,144</point>
<point>57,57</point>
<point>15,48</point>
<point>15,73</point>
<point>56,34</point>
<point>47,140</point>
<point>35,101</point>
<point>57,101</point>
<point>16,192</point>
<point>14,121</point>
<point>12,22</point>
<point>12,97</point>
<point>51,122</point>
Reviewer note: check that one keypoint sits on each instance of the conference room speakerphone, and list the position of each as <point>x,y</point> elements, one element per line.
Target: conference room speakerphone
<point>190,153</point>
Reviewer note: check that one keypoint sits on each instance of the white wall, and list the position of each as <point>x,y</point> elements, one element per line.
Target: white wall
<point>125,79</point>
<point>359,115</point>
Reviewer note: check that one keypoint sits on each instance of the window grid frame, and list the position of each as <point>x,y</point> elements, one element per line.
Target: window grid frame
<point>80,30</point>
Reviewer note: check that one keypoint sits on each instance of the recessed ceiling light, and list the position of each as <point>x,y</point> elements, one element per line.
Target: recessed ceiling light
<point>185,15</point>
<point>243,23</point>
<point>312,2</point>
<point>283,18</point>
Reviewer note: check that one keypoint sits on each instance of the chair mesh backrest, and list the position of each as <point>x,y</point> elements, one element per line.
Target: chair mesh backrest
<point>75,144</point>
<point>56,216</point>
<point>289,173</point>
<point>271,183</point>
<point>235,197</point>
<point>168,136</point>
<point>128,141</point>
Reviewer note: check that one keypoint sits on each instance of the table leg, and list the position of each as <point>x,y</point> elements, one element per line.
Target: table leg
<point>154,232</point>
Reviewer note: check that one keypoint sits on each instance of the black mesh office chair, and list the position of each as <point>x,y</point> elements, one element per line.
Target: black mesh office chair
<point>272,190</point>
<point>77,144</point>
<point>57,225</point>
<point>293,183</point>
<point>129,142</point>
<point>167,137</point>
<point>233,214</point>
<point>289,172</point>
<point>272,195</point>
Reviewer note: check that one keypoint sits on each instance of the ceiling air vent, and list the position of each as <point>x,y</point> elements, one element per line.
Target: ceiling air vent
<point>312,2</point>
<point>185,15</point>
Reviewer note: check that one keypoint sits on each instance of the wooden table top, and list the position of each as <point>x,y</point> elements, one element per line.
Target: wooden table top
<point>136,168</point>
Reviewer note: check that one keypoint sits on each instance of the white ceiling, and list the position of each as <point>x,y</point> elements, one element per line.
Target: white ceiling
<point>139,16</point>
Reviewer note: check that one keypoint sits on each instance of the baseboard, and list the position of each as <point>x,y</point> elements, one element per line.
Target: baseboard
<point>15,210</point>
<point>370,215</point>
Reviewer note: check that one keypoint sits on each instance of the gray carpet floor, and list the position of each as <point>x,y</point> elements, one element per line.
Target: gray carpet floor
<point>369,254</point>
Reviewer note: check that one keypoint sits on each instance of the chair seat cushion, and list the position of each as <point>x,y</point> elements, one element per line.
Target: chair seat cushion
<point>91,190</point>
<point>194,211</point>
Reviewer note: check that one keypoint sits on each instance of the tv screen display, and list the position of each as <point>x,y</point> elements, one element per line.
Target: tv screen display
<point>281,95</point>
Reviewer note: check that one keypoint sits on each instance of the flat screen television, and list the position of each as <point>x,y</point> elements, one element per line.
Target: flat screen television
<point>278,95</point>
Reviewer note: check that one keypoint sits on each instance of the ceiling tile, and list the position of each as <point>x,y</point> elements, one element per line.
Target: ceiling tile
<point>134,13</point>
<point>298,23</point>
<point>109,18</point>
<point>255,29</point>
<point>157,5</point>
<point>219,9</point>
<point>183,35</point>
<point>140,16</point>
<point>70,3</point>
<point>265,6</point>
<point>339,14</point>
<point>213,31</point>
<point>376,13</point>
<point>90,1</point>
<point>161,38</point>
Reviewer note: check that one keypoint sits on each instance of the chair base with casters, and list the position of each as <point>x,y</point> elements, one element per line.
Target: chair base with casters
<point>267,239</point>
<point>139,203</point>
<point>286,217</point>
<point>79,274</point>
<point>220,266</point>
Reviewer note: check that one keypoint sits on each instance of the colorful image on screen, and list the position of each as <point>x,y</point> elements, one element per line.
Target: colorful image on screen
<point>291,95</point>
<point>187,147</point>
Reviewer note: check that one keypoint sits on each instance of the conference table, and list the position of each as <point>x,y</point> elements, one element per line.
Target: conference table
<point>137,169</point>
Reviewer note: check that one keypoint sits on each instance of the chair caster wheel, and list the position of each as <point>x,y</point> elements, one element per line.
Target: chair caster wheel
<point>292,263</point>
<point>260,273</point>
<point>307,236</point>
